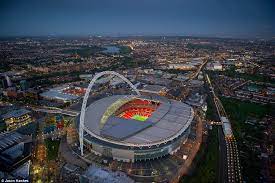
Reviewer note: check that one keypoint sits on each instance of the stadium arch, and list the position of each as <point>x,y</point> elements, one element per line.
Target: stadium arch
<point>85,99</point>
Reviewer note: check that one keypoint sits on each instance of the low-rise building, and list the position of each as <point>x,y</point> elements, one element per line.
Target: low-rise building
<point>59,94</point>
<point>15,150</point>
<point>17,118</point>
<point>100,175</point>
<point>154,89</point>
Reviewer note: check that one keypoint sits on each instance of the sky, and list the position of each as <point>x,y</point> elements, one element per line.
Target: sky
<point>217,18</point>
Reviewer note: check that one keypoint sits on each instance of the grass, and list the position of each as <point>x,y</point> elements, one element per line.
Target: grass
<point>52,148</point>
<point>211,110</point>
<point>207,161</point>
<point>125,49</point>
<point>253,77</point>
<point>139,118</point>
<point>84,51</point>
<point>239,111</point>
<point>247,135</point>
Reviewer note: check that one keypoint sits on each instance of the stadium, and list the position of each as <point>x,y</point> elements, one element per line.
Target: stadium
<point>132,128</point>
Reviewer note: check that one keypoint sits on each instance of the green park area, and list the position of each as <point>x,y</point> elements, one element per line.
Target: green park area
<point>124,49</point>
<point>240,111</point>
<point>206,161</point>
<point>84,51</point>
<point>52,148</point>
<point>211,113</point>
<point>248,135</point>
<point>231,72</point>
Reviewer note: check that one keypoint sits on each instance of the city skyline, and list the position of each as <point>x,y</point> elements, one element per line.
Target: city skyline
<point>246,19</point>
<point>178,91</point>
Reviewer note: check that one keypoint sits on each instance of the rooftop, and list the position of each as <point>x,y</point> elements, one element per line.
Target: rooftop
<point>55,94</point>
<point>153,88</point>
<point>16,113</point>
<point>8,139</point>
<point>120,128</point>
<point>99,175</point>
<point>169,120</point>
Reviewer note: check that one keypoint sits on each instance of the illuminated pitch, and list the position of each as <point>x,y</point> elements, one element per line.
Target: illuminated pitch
<point>139,118</point>
<point>137,109</point>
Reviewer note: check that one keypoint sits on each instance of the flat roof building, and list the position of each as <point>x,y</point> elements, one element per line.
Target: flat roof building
<point>154,89</point>
<point>17,118</point>
<point>58,94</point>
<point>15,150</point>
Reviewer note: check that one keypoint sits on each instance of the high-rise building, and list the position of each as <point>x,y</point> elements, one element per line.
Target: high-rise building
<point>3,83</point>
<point>9,83</point>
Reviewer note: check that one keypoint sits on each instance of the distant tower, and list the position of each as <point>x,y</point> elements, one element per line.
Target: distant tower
<point>3,83</point>
<point>24,85</point>
<point>8,81</point>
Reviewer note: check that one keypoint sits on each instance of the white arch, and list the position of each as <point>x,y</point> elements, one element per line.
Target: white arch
<point>84,104</point>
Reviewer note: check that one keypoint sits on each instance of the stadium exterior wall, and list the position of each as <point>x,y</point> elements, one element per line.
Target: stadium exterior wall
<point>129,154</point>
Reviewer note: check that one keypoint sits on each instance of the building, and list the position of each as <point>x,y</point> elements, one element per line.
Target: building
<point>9,83</point>
<point>196,83</point>
<point>99,175</point>
<point>154,89</point>
<point>134,128</point>
<point>17,118</point>
<point>62,94</point>
<point>227,130</point>
<point>11,92</point>
<point>72,135</point>
<point>15,151</point>
<point>70,173</point>
<point>4,83</point>
<point>185,66</point>
<point>214,66</point>
<point>196,100</point>
<point>217,66</point>
<point>24,85</point>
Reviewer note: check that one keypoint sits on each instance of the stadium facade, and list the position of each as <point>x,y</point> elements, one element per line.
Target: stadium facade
<point>131,128</point>
<point>134,127</point>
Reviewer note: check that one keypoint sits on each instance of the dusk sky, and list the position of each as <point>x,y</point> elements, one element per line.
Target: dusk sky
<point>220,18</point>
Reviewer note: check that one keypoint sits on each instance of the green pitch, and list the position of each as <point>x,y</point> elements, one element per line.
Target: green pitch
<point>139,118</point>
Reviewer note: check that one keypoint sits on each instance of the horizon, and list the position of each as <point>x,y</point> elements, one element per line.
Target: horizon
<point>211,18</point>
<point>135,36</point>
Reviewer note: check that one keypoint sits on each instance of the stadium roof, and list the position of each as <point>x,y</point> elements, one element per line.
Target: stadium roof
<point>169,120</point>
<point>120,128</point>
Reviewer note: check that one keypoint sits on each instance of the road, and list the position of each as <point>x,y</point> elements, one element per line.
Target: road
<point>222,176</point>
<point>222,163</point>
<point>68,155</point>
<point>55,111</point>
<point>229,165</point>
<point>194,75</point>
